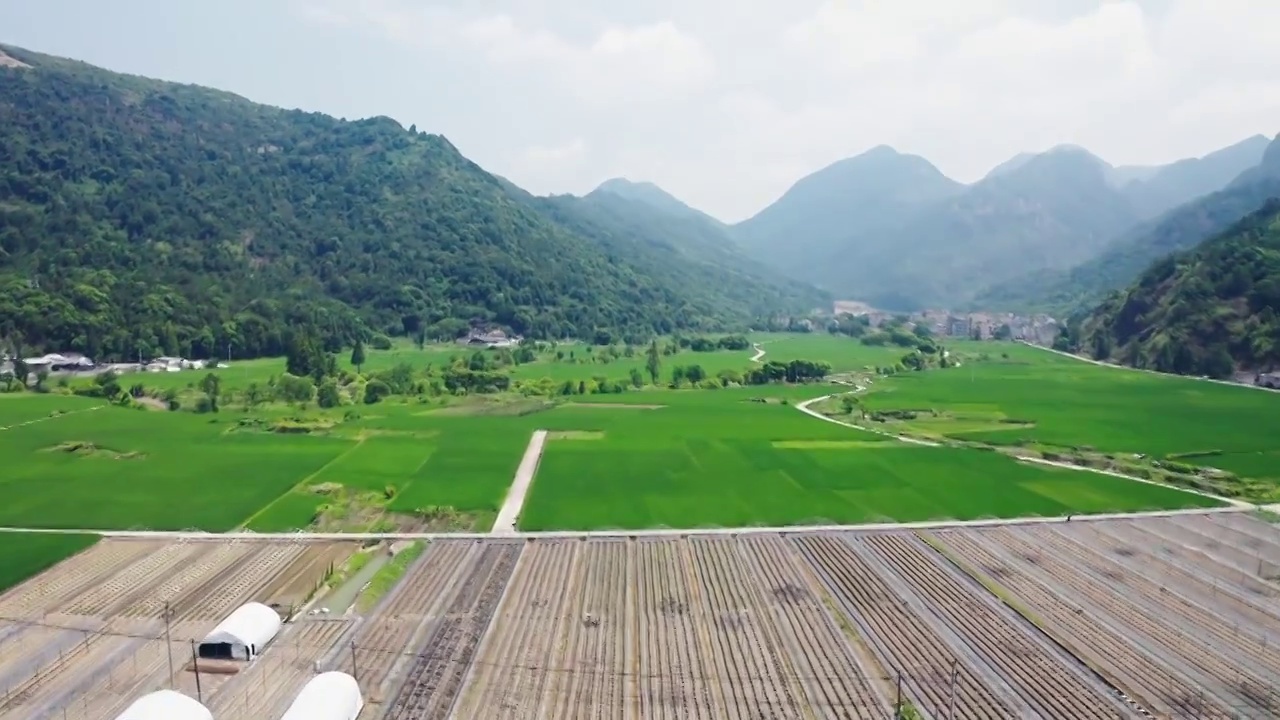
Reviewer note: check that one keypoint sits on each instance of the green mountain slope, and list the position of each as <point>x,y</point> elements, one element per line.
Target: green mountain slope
<point>1064,292</point>
<point>686,249</point>
<point>845,208</point>
<point>143,216</point>
<point>1207,311</point>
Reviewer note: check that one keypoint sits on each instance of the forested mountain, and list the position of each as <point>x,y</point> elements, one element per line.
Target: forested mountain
<point>143,216</point>
<point>1063,292</point>
<point>846,208</point>
<point>1206,311</point>
<point>653,196</point>
<point>686,249</point>
<point>1051,211</point>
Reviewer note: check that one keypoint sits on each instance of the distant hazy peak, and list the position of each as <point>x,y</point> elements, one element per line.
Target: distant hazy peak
<point>1066,150</point>
<point>1271,156</point>
<point>649,194</point>
<point>623,184</point>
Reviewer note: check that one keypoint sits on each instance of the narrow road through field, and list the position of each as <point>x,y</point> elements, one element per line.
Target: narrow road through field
<point>759,353</point>
<point>509,515</point>
<point>51,417</point>
<point>804,408</point>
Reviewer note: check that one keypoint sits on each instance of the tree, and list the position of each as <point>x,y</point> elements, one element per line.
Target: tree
<point>294,389</point>
<point>253,396</point>
<point>21,372</point>
<point>375,391</point>
<point>653,362</point>
<point>108,384</point>
<point>637,378</point>
<point>327,395</point>
<point>357,355</point>
<point>852,403</point>
<point>210,385</point>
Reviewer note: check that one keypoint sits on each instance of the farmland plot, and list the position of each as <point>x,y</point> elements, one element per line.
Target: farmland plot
<point>86,638</point>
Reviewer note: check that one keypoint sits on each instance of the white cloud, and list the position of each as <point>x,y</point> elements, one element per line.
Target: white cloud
<point>618,64</point>
<point>727,103</point>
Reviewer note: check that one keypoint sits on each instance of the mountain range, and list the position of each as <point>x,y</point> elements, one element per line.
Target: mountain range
<point>139,216</point>
<point>890,229</point>
<point>147,217</point>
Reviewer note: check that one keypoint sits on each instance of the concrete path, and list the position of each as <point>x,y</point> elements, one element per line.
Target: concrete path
<point>509,515</point>
<point>196,535</point>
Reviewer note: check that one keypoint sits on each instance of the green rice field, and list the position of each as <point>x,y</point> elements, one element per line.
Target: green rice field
<point>713,459</point>
<point>1053,400</point>
<point>25,554</point>
<point>653,458</point>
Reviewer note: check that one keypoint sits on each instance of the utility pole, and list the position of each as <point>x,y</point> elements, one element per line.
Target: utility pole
<point>195,664</point>
<point>354,672</point>
<point>897,706</point>
<point>167,644</point>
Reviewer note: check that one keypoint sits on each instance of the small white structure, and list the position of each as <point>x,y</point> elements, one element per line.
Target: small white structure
<point>165,705</point>
<point>243,634</point>
<point>329,696</point>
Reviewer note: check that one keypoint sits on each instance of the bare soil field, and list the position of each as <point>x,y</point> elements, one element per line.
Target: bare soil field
<point>87,637</point>
<point>1139,618</point>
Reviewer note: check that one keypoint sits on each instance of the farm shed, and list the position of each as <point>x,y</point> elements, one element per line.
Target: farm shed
<point>165,705</point>
<point>243,634</point>
<point>328,696</point>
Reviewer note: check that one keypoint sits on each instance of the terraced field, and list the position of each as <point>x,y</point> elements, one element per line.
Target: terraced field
<point>1170,618</point>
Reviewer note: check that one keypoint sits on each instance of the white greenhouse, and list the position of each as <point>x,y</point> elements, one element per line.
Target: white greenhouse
<point>243,634</point>
<point>328,696</point>
<point>165,705</point>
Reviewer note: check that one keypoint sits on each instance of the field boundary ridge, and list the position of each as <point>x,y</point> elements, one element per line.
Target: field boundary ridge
<point>196,535</point>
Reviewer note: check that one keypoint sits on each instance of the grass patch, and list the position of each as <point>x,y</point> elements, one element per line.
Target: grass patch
<point>79,448</point>
<point>826,444</point>
<point>28,554</point>
<point>387,577</point>
<point>575,435</point>
<point>613,406</point>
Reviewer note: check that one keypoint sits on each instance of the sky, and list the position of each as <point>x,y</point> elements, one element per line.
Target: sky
<point>724,103</point>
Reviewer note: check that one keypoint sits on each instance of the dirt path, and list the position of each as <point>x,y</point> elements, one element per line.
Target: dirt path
<point>51,417</point>
<point>509,515</point>
<point>759,353</point>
